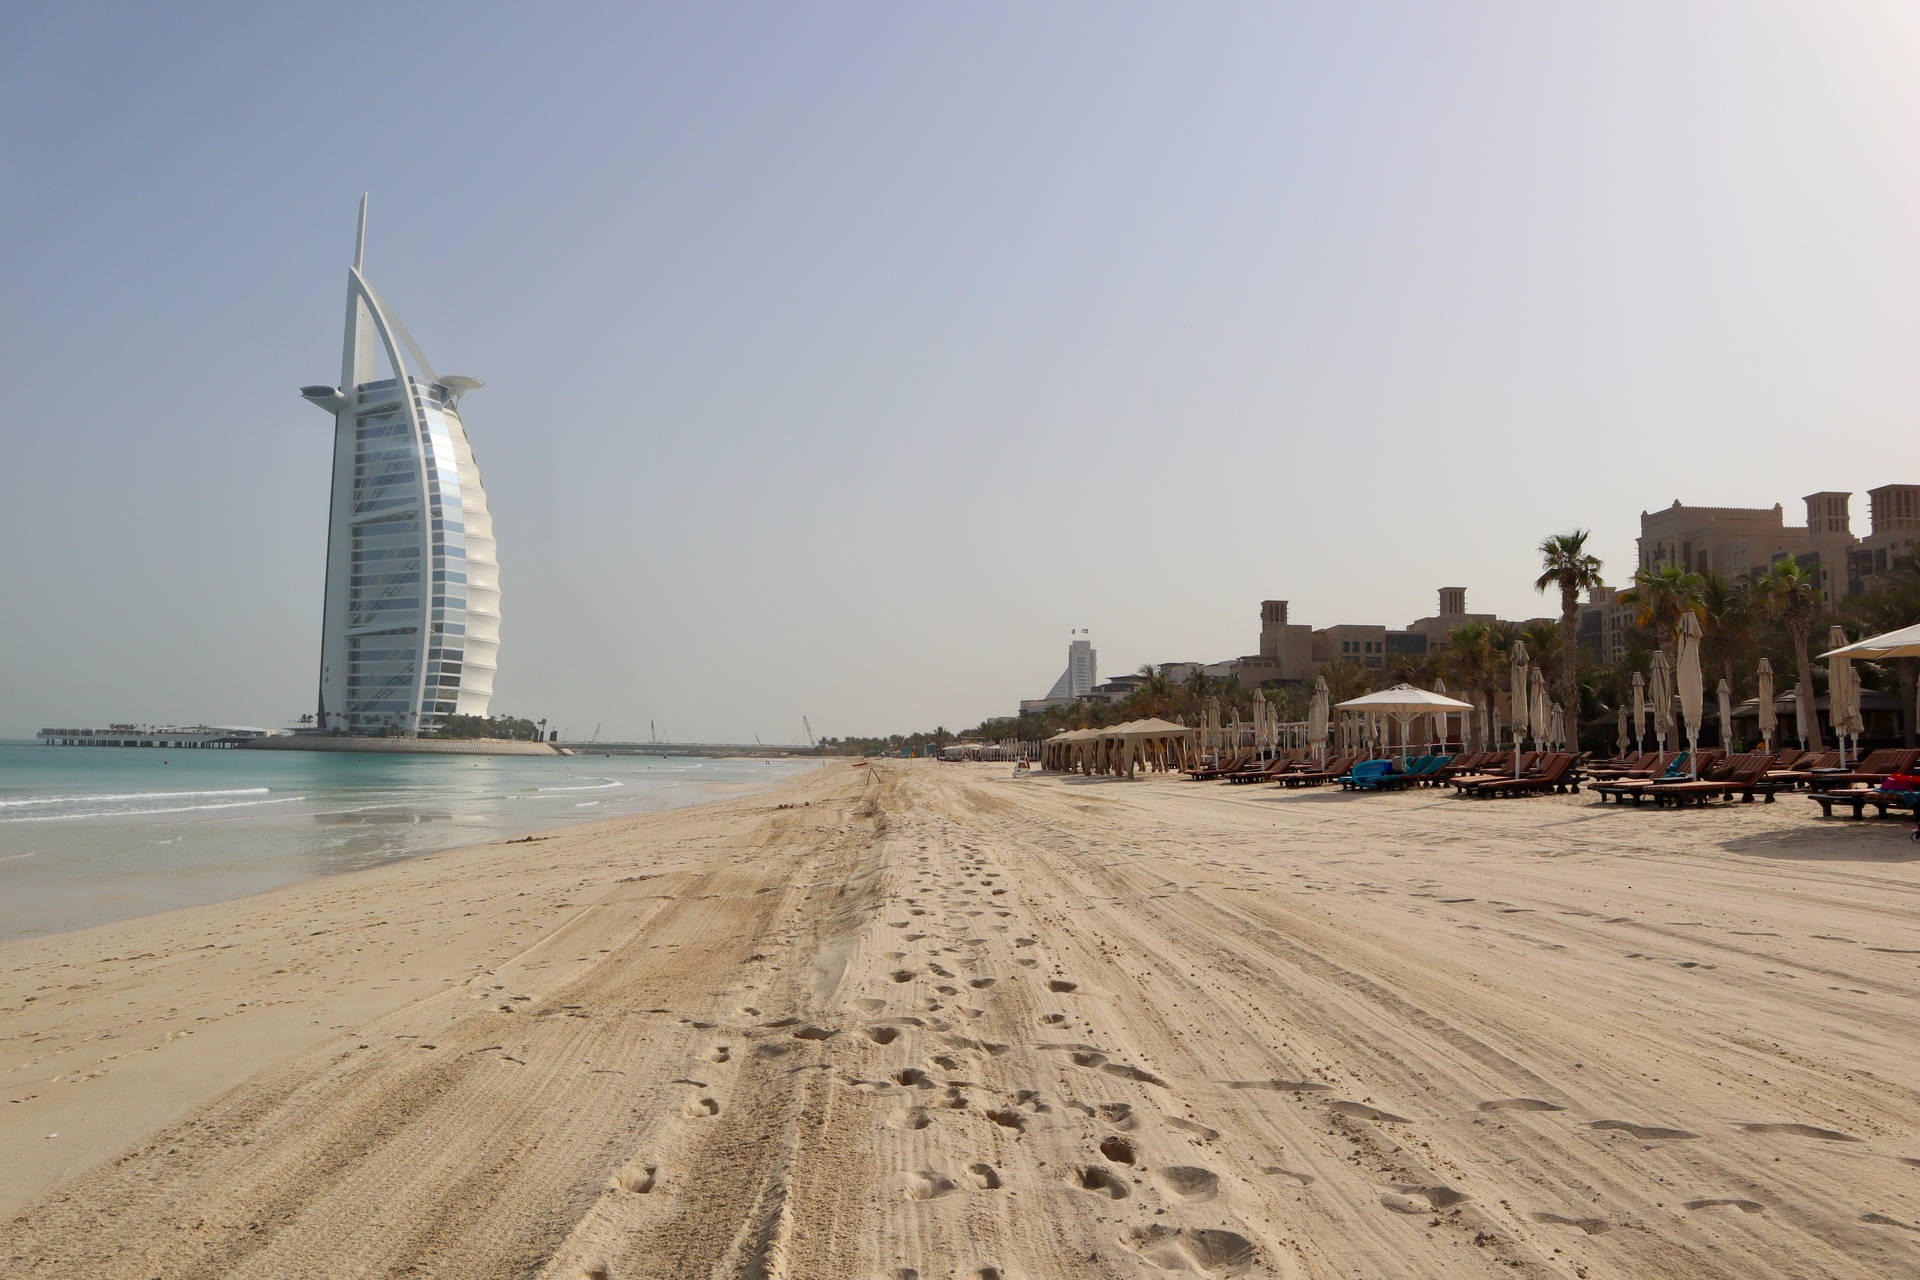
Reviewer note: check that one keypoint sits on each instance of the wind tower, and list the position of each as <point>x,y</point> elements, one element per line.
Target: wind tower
<point>411,624</point>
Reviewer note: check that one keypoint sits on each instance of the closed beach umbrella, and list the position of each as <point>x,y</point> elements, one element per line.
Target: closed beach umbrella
<point>1540,713</point>
<point>1661,692</point>
<point>1517,698</point>
<point>1726,714</point>
<point>1639,709</point>
<point>1803,713</point>
<point>1843,694</point>
<point>1690,685</point>
<point>1317,716</point>
<point>1767,717</point>
<point>1620,742</point>
<point>1559,734</point>
<point>1493,730</point>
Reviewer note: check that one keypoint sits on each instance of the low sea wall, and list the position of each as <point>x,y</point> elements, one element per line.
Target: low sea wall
<point>405,746</point>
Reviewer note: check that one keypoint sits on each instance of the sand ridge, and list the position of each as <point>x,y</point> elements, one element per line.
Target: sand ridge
<point>917,1020</point>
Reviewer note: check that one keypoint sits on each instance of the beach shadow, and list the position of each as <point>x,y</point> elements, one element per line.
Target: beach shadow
<point>1835,840</point>
<point>1097,781</point>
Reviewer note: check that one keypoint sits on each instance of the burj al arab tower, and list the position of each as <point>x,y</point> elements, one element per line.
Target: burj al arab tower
<point>412,617</point>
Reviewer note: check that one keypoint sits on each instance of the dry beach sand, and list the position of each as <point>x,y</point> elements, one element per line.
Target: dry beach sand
<point>922,1021</point>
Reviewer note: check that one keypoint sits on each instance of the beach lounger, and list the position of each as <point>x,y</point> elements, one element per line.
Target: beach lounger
<point>1423,771</point>
<point>1805,770</point>
<point>1233,765</point>
<point>1263,773</point>
<point>1624,789</point>
<point>1501,769</point>
<point>1550,776</point>
<point>1881,799</point>
<point>1333,768</point>
<point>1650,765</point>
<point>1744,774</point>
<point>1365,776</point>
<point>1876,768</point>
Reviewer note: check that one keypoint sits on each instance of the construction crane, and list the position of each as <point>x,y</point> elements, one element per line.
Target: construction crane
<point>808,724</point>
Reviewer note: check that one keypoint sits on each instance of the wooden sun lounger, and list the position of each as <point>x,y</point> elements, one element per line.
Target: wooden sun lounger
<point>1805,770</point>
<point>1876,768</point>
<point>1857,799</point>
<point>1528,763</point>
<point>1550,776</point>
<point>1744,775</point>
<point>1335,767</point>
<point>1235,765</point>
<point>1265,773</point>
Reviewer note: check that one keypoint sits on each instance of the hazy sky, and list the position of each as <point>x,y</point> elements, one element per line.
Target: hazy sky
<point>840,358</point>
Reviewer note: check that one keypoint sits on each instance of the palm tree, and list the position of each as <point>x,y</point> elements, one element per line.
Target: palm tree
<point>1727,609</point>
<point>1472,661</point>
<point>1347,679</point>
<point>1566,563</point>
<point>1888,607</point>
<point>1788,593</point>
<point>1414,668</point>
<point>1662,596</point>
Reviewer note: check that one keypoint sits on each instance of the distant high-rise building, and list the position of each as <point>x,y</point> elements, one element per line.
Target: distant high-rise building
<point>1077,681</point>
<point>411,626</point>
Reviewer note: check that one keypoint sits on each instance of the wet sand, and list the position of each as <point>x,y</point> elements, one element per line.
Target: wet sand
<point>925,1021</point>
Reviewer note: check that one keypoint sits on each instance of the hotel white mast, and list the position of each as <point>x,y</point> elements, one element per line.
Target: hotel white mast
<point>412,619</point>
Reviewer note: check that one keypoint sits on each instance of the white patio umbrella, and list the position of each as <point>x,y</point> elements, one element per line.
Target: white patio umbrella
<point>1403,702</point>
<point>1620,742</point>
<point>1540,709</point>
<point>1639,710</point>
<point>1904,643</point>
<point>1843,694</point>
<point>1726,715</point>
<point>1768,718</point>
<point>1517,698</point>
<point>1660,691</point>
<point>1317,717</point>
<point>1691,687</point>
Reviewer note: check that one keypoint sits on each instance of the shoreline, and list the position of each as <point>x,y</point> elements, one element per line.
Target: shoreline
<point>161,888</point>
<point>235,1038</point>
<point>940,1019</point>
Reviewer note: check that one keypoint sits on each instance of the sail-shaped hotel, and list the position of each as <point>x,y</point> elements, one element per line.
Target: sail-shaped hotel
<point>412,617</point>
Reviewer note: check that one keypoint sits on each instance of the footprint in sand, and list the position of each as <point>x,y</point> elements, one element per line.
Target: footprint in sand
<point>1007,1118</point>
<point>1410,1199</point>
<point>1102,1182</point>
<point>1126,1072</point>
<point>1744,1206</point>
<point>719,1053</point>
<point>1117,1149</point>
<point>1519,1104</point>
<point>702,1108</point>
<point>909,1118</point>
<point>882,1034</point>
<point>1061,986</point>
<point>1801,1131</point>
<point>1191,1182</point>
<point>984,1176</point>
<point>1592,1226</point>
<point>1649,1133</point>
<point>638,1179</point>
<point>1210,1250</point>
<point>1193,1127</point>
<point>1882,1220</point>
<point>1361,1111</point>
<point>816,1033</point>
<point>929,1184</point>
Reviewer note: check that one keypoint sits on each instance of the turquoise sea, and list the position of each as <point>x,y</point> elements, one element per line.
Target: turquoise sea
<point>91,835</point>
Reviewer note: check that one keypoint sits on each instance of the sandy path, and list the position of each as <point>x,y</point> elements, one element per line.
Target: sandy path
<point>936,1022</point>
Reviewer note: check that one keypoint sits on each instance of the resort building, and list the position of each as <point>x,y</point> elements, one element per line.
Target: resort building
<point>411,625</point>
<point>1077,681</point>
